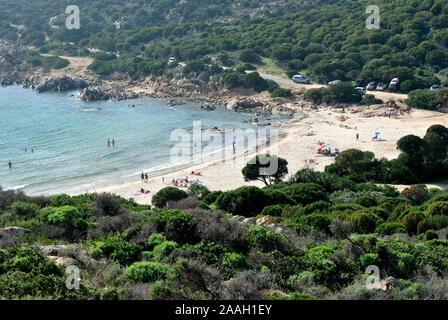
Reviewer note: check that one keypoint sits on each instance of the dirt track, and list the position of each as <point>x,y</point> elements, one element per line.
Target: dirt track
<point>284,82</point>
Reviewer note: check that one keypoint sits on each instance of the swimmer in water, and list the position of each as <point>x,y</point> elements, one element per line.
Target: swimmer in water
<point>108,142</point>
<point>10,164</point>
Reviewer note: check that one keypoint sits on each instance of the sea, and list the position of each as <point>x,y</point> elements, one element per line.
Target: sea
<point>58,144</point>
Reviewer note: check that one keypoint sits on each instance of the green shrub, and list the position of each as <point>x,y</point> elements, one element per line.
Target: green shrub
<point>431,235</point>
<point>318,261</point>
<point>317,221</point>
<point>114,247</point>
<point>110,294</point>
<point>411,221</point>
<point>433,222</point>
<point>234,260</point>
<point>145,271</point>
<point>264,239</point>
<point>155,239</point>
<point>441,197</point>
<point>24,209</point>
<point>245,201</point>
<point>422,99</point>
<point>438,208</point>
<point>368,259</point>
<point>69,218</point>
<point>305,193</point>
<point>363,222</point>
<point>367,201</point>
<point>178,226</point>
<point>198,191</point>
<point>161,198</point>
<point>277,197</point>
<point>164,249</point>
<point>370,99</point>
<point>390,228</point>
<point>315,95</point>
<point>280,92</point>
<point>273,210</point>
<point>315,207</point>
<point>211,197</point>
<point>61,200</point>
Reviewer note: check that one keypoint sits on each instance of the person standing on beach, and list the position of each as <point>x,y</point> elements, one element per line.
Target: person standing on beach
<point>357,137</point>
<point>10,165</point>
<point>163,179</point>
<point>143,177</point>
<point>146,177</point>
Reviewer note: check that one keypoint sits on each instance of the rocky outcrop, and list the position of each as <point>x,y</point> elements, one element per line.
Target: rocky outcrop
<point>14,232</point>
<point>67,255</point>
<point>61,84</point>
<point>101,93</point>
<point>245,105</point>
<point>390,283</point>
<point>13,236</point>
<point>266,221</point>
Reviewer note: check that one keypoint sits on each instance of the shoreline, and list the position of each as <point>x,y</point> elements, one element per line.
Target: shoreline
<point>298,149</point>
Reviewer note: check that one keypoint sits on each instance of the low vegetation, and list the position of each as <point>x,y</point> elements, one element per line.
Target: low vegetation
<point>309,236</point>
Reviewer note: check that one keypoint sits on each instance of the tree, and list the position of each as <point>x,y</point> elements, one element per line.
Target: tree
<point>266,168</point>
<point>245,201</point>
<point>414,147</point>
<point>161,198</point>
<point>422,99</point>
<point>249,55</point>
<point>354,160</point>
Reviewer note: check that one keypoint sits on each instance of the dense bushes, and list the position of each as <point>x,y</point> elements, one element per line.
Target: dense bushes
<point>145,271</point>
<point>161,198</point>
<point>420,160</point>
<point>305,193</point>
<point>336,93</point>
<point>247,201</point>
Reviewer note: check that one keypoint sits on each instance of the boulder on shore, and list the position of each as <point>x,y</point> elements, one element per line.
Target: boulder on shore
<point>61,84</point>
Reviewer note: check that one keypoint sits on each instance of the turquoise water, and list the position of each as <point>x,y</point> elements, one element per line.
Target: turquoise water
<point>69,139</point>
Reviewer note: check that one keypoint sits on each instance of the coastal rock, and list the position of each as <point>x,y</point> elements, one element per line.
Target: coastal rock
<point>64,261</point>
<point>12,236</point>
<point>390,283</point>
<point>67,254</point>
<point>239,218</point>
<point>208,107</point>
<point>265,221</point>
<point>106,92</point>
<point>65,83</point>
<point>245,105</point>
<point>249,222</point>
<point>14,231</point>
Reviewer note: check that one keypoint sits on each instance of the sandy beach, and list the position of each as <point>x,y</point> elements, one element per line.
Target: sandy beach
<point>299,148</point>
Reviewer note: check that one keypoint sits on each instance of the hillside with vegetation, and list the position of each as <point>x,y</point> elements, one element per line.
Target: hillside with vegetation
<point>326,40</point>
<point>310,235</point>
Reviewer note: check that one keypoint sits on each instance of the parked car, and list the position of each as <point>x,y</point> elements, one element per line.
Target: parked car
<point>298,78</point>
<point>362,90</point>
<point>394,85</point>
<point>371,86</point>
<point>171,60</point>
<point>358,83</point>
<point>435,87</point>
<point>380,87</point>
<point>334,82</point>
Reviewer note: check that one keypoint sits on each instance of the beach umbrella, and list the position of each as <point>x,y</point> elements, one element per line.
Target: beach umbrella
<point>327,145</point>
<point>377,133</point>
<point>321,147</point>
